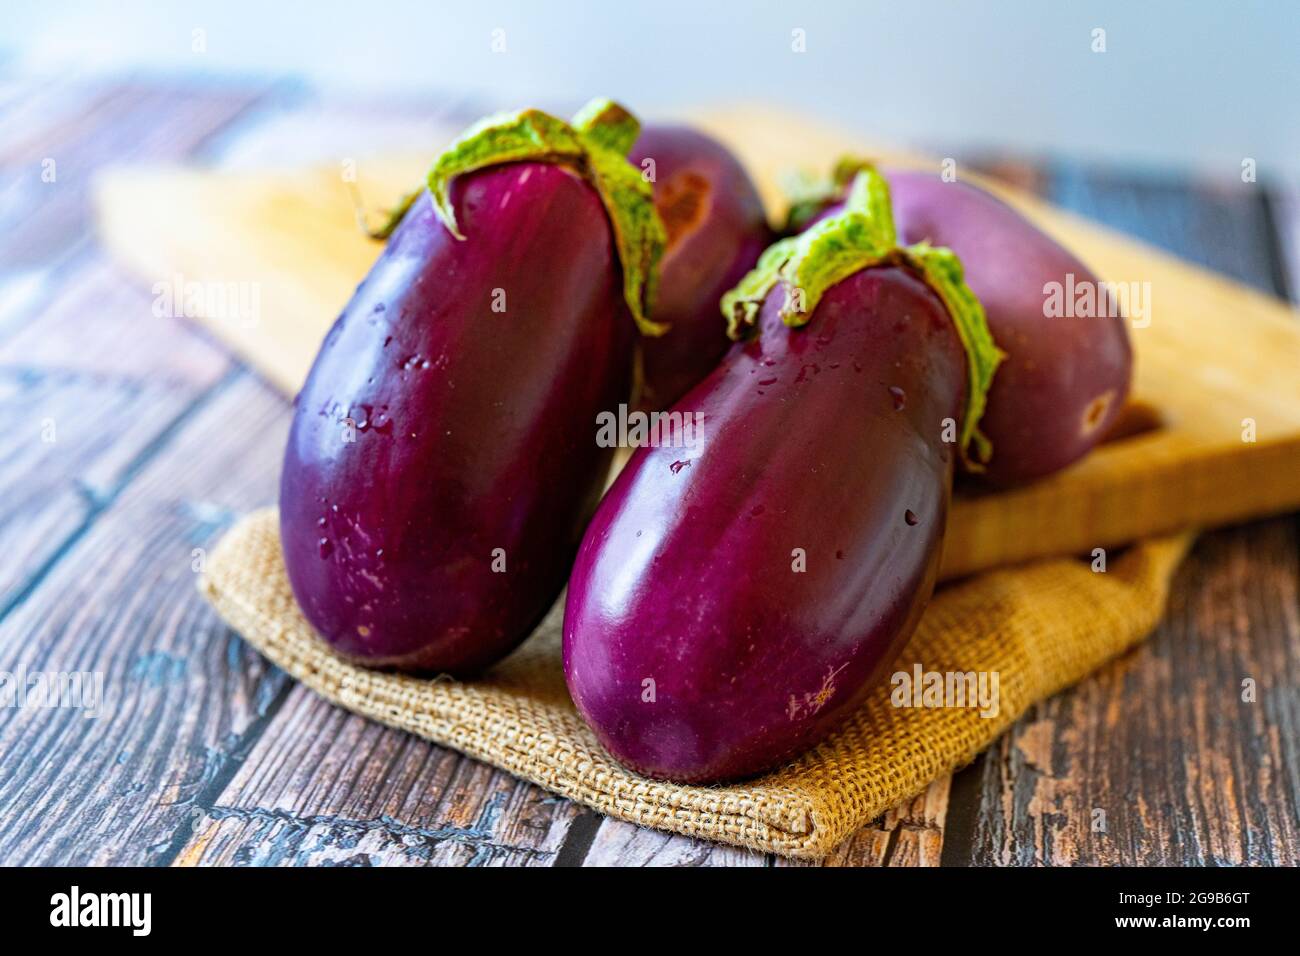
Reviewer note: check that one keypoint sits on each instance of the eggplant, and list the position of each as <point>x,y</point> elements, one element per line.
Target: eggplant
<point>1065,379</point>
<point>440,465</point>
<point>732,602</point>
<point>716,228</point>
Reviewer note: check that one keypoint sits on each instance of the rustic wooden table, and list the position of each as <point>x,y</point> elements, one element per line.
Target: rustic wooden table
<point>135,440</point>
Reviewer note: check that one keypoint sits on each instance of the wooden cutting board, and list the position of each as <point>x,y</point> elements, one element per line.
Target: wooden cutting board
<point>1214,358</point>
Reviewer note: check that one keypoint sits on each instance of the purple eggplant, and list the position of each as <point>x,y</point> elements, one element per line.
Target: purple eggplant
<point>440,466</point>
<point>733,601</point>
<point>1066,377</point>
<point>716,229</point>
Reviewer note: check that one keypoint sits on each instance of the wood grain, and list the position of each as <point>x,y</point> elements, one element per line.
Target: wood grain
<point>1158,760</point>
<point>325,788</point>
<point>99,542</point>
<point>117,125</point>
<point>180,691</point>
<point>624,844</point>
<point>90,378</point>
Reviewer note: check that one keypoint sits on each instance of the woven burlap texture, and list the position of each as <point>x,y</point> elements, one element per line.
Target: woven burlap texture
<point>1041,627</point>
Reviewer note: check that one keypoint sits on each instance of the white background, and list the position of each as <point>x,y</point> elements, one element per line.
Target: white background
<point>1194,85</point>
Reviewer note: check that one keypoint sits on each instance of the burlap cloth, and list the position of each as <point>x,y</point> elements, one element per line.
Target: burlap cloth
<point>1041,627</point>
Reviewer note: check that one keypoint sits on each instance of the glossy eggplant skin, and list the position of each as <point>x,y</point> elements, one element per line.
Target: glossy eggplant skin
<point>473,427</point>
<point>1064,379</point>
<point>825,438</point>
<point>717,229</point>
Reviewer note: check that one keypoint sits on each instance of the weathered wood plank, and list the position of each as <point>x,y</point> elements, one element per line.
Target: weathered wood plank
<point>77,441</point>
<point>1284,215</point>
<point>1157,760</point>
<point>97,385</point>
<point>325,787</point>
<point>182,696</point>
<point>88,375</point>
<point>98,327</point>
<point>624,844</point>
<point>48,166</point>
<point>31,106</point>
<point>91,383</point>
<point>1220,223</point>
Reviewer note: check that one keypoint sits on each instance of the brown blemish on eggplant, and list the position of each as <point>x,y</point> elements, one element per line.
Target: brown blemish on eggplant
<point>1135,418</point>
<point>810,704</point>
<point>683,203</point>
<point>1095,413</point>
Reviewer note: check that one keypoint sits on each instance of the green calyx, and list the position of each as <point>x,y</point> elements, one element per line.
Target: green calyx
<point>942,271</point>
<point>858,237</point>
<point>594,145</point>
<point>809,195</point>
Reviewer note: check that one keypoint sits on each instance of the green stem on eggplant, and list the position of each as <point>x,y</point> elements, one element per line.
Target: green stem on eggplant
<point>595,146</point>
<point>858,237</point>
